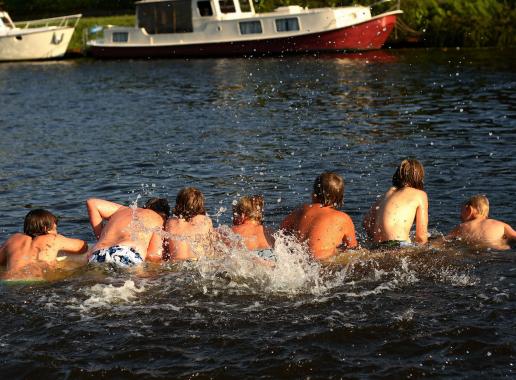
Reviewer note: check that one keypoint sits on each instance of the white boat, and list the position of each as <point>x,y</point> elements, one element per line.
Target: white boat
<point>35,39</point>
<point>172,28</point>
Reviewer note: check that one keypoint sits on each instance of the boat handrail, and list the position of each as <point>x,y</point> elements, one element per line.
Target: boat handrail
<point>385,1</point>
<point>61,21</point>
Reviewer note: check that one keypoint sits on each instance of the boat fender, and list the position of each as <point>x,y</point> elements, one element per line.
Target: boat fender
<point>56,40</point>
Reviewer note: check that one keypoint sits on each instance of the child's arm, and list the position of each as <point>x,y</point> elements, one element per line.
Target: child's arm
<point>509,232</point>
<point>3,254</point>
<point>422,220</point>
<point>99,210</point>
<point>349,239</point>
<point>74,246</point>
<point>155,249</point>
<point>288,223</point>
<point>370,219</point>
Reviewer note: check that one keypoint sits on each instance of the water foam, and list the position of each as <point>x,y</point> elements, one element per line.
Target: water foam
<point>106,295</point>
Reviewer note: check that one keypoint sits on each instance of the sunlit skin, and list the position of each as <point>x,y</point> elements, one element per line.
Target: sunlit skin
<point>323,228</point>
<point>392,216</point>
<point>189,239</point>
<point>481,232</point>
<point>26,256</point>
<point>254,235</point>
<point>138,228</point>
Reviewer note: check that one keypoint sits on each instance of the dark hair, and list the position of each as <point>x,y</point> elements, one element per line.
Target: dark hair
<point>409,173</point>
<point>251,207</point>
<point>159,205</point>
<point>329,189</point>
<point>38,222</point>
<point>189,203</point>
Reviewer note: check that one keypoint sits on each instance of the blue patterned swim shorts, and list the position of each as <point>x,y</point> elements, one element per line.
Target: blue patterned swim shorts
<point>120,255</point>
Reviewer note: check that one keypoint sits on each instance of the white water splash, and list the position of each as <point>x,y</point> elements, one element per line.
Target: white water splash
<point>106,295</point>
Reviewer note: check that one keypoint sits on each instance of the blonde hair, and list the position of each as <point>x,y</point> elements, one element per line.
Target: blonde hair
<point>251,207</point>
<point>480,203</point>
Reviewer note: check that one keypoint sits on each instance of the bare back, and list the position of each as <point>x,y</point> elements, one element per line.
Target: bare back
<point>189,239</point>
<point>486,233</point>
<point>254,235</point>
<point>393,216</point>
<point>26,256</point>
<point>137,228</point>
<point>323,228</point>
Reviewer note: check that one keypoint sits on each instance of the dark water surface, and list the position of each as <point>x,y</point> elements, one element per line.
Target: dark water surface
<point>116,130</point>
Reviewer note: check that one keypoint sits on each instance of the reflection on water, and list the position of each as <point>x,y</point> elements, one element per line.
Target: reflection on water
<point>117,130</point>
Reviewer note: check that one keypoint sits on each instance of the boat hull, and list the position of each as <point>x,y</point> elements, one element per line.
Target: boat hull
<point>368,35</point>
<point>35,45</point>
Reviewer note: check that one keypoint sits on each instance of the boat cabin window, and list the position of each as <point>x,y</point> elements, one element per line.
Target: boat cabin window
<point>120,36</point>
<point>245,6</point>
<point>250,27</point>
<point>287,24</point>
<point>204,8</point>
<point>165,16</point>
<point>227,6</point>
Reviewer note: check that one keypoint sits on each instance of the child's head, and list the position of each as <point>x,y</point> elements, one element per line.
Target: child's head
<point>248,208</point>
<point>329,189</point>
<point>189,203</point>
<point>159,205</point>
<point>409,173</point>
<point>476,205</point>
<point>39,222</point>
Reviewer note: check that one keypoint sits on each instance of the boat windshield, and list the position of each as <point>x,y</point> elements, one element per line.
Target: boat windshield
<point>4,22</point>
<point>245,6</point>
<point>173,16</point>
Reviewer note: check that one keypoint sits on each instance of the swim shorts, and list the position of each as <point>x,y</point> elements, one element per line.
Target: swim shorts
<point>120,255</point>
<point>267,254</point>
<point>392,244</point>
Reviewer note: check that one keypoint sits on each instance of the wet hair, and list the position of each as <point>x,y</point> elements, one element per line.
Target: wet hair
<point>38,222</point>
<point>480,203</point>
<point>329,189</point>
<point>409,173</point>
<point>251,207</point>
<point>189,203</point>
<point>159,205</point>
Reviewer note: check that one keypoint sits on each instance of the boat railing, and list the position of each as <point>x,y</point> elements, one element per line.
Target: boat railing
<point>63,21</point>
<point>378,3</point>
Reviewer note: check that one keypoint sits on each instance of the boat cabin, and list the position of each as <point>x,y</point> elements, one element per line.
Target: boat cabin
<point>177,16</point>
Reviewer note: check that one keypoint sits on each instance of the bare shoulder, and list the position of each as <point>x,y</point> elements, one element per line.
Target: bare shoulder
<point>202,221</point>
<point>17,238</point>
<point>493,223</point>
<point>343,217</point>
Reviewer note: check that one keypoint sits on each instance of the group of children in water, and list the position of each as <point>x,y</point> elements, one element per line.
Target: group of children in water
<point>128,236</point>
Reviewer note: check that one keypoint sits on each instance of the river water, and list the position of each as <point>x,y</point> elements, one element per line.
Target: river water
<point>125,130</point>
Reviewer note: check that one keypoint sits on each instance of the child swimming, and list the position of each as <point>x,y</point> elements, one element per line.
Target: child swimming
<point>119,241</point>
<point>27,254</point>
<point>247,223</point>
<point>478,230</point>
<point>320,224</point>
<point>389,220</point>
<point>190,229</point>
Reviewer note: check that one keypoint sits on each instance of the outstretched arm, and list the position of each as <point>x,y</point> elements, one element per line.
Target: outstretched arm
<point>99,210</point>
<point>422,220</point>
<point>69,245</point>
